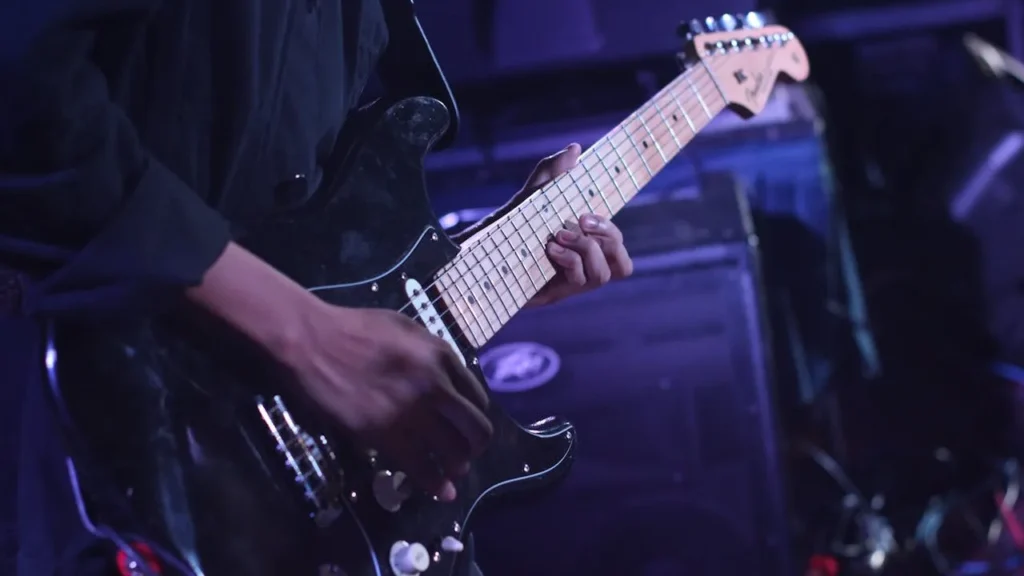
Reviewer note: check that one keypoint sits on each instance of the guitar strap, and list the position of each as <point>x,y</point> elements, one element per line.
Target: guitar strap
<point>408,66</point>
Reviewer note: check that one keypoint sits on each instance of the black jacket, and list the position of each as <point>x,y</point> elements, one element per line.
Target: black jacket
<point>137,135</point>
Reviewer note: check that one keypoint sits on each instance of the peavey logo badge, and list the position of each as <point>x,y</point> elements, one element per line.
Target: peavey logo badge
<point>519,366</point>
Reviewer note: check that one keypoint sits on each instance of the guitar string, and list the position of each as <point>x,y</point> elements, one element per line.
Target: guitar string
<point>511,255</point>
<point>489,310</point>
<point>694,95</point>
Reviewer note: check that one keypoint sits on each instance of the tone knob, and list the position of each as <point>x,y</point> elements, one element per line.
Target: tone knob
<point>409,559</point>
<point>391,490</point>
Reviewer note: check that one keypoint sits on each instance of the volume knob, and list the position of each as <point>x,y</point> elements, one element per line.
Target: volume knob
<point>409,559</point>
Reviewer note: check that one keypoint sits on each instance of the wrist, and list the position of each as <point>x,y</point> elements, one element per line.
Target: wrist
<point>263,304</point>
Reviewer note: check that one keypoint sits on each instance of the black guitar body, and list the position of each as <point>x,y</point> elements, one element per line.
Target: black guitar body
<point>181,433</point>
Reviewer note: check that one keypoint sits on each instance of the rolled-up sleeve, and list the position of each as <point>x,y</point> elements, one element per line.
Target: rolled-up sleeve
<point>96,220</point>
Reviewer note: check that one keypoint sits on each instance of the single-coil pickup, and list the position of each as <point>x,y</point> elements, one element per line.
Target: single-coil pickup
<point>428,315</point>
<point>310,460</point>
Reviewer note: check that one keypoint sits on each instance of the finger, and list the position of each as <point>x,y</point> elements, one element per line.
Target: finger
<point>609,236</point>
<point>615,254</point>
<point>600,227</point>
<point>463,380</point>
<point>412,456</point>
<point>595,267</point>
<point>451,449</point>
<point>553,166</point>
<point>619,261</point>
<point>569,263</point>
<point>465,406</point>
<point>473,425</point>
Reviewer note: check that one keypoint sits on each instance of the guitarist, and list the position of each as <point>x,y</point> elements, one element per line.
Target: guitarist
<point>138,138</point>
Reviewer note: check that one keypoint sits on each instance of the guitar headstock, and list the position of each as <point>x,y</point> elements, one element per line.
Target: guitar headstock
<point>745,57</point>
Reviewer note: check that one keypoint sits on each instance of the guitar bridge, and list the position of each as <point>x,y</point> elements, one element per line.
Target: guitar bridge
<point>310,459</point>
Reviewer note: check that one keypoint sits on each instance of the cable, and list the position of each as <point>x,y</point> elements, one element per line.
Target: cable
<point>876,536</point>
<point>1005,488</point>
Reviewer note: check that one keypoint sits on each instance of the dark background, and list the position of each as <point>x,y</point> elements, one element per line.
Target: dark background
<point>919,303</point>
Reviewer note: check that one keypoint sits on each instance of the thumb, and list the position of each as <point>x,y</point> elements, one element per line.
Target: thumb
<point>553,166</point>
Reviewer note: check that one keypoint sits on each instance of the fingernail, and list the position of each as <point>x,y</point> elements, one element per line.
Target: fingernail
<point>447,493</point>
<point>567,236</point>
<point>556,248</point>
<point>590,222</point>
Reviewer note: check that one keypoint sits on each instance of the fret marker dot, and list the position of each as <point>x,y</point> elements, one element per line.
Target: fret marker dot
<point>504,269</point>
<point>645,144</point>
<point>617,170</point>
<point>471,299</point>
<point>487,285</point>
<point>675,118</point>
<point>591,192</point>
<point>545,208</point>
<point>524,252</point>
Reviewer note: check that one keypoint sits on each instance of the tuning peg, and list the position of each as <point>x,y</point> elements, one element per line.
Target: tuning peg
<point>752,20</point>
<point>710,25</point>
<point>728,22</point>
<point>689,29</point>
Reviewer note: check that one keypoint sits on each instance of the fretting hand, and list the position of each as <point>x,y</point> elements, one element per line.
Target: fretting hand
<point>587,253</point>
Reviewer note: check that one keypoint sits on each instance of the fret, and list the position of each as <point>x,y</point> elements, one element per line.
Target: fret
<point>682,110</point>
<point>671,131</point>
<point>509,251</point>
<point>544,210</point>
<point>521,252</point>
<point>654,140</point>
<point>477,307</point>
<point>714,81</point>
<point>579,189</point>
<point>625,166</point>
<point>514,296</point>
<point>696,92</point>
<point>594,190</point>
<point>535,246</point>
<point>482,295</point>
<point>611,176</point>
<point>636,150</point>
<point>568,201</point>
<point>449,286</point>
<point>505,265</point>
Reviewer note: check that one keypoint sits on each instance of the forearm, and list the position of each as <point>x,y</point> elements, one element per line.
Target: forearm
<point>252,297</point>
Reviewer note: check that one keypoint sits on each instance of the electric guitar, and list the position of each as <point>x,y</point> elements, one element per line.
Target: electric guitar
<point>199,466</point>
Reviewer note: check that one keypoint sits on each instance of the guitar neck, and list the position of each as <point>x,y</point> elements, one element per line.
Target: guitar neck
<point>502,267</point>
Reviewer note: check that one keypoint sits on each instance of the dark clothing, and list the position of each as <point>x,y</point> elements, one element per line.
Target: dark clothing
<point>136,138</point>
<point>133,131</point>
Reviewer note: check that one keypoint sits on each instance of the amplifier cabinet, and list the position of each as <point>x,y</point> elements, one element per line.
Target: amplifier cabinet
<point>667,378</point>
